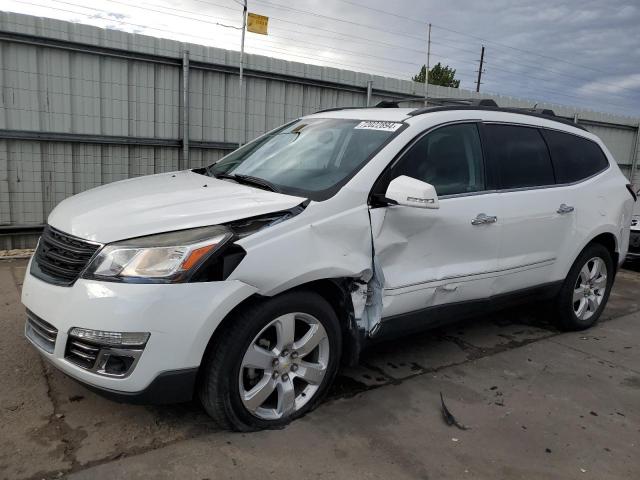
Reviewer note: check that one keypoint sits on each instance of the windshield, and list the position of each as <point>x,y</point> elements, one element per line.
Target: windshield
<point>311,158</point>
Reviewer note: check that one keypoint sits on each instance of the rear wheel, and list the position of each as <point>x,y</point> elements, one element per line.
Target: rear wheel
<point>273,362</point>
<point>586,289</point>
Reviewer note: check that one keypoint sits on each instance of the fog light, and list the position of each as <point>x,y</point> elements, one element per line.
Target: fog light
<point>118,365</point>
<point>116,339</point>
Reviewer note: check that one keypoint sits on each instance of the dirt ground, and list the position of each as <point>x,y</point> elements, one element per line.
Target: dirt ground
<point>538,403</point>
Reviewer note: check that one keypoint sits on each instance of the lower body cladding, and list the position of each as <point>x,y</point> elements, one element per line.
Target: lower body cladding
<point>134,342</point>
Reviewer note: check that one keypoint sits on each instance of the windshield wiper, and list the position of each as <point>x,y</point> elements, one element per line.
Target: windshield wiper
<point>250,180</point>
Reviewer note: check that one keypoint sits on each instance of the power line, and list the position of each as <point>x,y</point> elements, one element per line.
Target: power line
<point>317,59</point>
<point>316,44</point>
<point>501,45</point>
<point>366,40</point>
<point>384,11</point>
<point>549,57</point>
<point>274,36</point>
<point>350,22</point>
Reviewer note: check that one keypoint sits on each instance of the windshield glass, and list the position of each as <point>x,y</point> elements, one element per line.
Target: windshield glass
<point>311,157</point>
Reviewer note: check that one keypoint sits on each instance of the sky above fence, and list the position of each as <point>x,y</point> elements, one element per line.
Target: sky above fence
<point>575,52</point>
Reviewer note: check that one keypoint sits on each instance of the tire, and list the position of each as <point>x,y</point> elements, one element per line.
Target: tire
<point>581,312</point>
<point>232,386</point>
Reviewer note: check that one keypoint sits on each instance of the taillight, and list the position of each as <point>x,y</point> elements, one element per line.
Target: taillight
<point>632,192</point>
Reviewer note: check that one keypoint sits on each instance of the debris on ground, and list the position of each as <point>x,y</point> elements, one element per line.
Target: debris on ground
<point>448,416</point>
<point>16,253</point>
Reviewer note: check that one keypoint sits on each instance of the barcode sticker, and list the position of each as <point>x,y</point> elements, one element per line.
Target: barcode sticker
<point>384,126</point>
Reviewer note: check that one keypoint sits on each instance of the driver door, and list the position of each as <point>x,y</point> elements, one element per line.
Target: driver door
<point>432,257</point>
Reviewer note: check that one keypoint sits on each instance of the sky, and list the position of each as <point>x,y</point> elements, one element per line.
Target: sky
<point>581,53</point>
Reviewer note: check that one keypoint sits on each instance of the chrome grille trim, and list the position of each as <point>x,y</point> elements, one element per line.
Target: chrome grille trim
<point>40,333</point>
<point>81,353</point>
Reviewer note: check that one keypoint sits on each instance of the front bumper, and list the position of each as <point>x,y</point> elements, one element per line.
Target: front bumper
<point>181,319</point>
<point>634,245</point>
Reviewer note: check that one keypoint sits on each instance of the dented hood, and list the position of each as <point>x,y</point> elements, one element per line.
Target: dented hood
<point>161,203</point>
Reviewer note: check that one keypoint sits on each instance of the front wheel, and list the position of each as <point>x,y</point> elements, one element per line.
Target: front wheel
<point>272,363</point>
<point>586,289</point>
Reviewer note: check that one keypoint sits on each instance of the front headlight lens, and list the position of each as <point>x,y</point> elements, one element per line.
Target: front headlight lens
<point>163,257</point>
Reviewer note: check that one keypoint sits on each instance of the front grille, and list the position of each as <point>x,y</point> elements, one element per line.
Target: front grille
<point>60,258</point>
<point>81,353</point>
<point>634,241</point>
<point>41,333</point>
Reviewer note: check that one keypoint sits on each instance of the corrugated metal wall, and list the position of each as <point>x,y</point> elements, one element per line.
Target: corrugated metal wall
<point>83,106</point>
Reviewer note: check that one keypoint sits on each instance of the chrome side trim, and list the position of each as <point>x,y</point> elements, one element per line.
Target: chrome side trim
<point>473,276</point>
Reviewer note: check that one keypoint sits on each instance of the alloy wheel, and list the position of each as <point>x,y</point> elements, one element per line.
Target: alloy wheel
<point>284,366</point>
<point>590,288</point>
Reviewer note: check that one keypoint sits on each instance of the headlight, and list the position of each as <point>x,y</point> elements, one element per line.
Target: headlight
<point>163,258</point>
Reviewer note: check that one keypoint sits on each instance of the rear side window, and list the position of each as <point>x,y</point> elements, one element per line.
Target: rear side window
<point>519,156</point>
<point>574,158</point>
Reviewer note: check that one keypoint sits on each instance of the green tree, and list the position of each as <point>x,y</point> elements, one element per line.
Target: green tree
<point>438,75</point>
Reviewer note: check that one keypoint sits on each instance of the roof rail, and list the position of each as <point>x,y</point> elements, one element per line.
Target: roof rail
<point>472,102</point>
<point>391,103</point>
<point>522,111</point>
<point>336,109</point>
<point>540,111</point>
<point>455,102</point>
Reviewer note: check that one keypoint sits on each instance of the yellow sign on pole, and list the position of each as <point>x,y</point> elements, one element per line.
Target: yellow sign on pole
<point>257,23</point>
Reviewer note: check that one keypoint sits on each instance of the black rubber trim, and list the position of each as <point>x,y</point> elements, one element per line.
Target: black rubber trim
<point>173,386</point>
<point>436,316</point>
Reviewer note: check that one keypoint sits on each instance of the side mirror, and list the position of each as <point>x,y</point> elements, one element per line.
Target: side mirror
<point>411,192</point>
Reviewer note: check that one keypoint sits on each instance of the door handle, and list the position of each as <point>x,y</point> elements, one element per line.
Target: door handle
<point>564,208</point>
<point>483,219</point>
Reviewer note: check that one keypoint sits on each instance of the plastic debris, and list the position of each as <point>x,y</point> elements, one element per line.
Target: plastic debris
<point>448,416</point>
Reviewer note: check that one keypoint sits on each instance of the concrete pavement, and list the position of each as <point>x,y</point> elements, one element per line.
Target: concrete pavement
<point>539,404</point>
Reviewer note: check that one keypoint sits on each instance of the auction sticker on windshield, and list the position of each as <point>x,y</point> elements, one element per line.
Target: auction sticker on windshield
<point>383,126</point>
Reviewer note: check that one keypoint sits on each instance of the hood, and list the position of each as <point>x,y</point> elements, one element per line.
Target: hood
<point>161,203</point>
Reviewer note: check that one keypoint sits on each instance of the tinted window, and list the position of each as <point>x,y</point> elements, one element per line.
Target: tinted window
<point>520,156</point>
<point>574,158</point>
<point>449,158</point>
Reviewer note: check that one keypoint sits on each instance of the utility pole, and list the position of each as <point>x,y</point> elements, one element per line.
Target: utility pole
<point>185,110</point>
<point>426,73</point>
<point>480,69</point>
<point>241,92</point>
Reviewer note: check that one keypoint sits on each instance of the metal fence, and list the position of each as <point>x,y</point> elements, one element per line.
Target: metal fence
<point>83,106</point>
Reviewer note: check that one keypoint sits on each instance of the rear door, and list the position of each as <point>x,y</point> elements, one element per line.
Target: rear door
<point>537,216</point>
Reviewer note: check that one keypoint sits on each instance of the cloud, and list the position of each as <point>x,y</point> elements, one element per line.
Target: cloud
<point>612,85</point>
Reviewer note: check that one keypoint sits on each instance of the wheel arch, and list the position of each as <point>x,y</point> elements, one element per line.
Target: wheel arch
<point>336,291</point>
<point>610,242</point>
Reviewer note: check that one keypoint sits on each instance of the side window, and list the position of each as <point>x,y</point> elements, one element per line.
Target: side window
<point>519,156</point>
<point>574,158</point>
<point>449,158</point>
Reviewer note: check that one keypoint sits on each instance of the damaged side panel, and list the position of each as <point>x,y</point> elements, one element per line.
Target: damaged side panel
<point>433,257</point>
<point>310,247</point>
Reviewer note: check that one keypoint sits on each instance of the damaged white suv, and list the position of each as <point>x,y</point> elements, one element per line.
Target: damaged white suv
<point>249,282</point>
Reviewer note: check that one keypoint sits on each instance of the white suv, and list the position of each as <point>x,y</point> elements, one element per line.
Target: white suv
<point>249,282</point>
